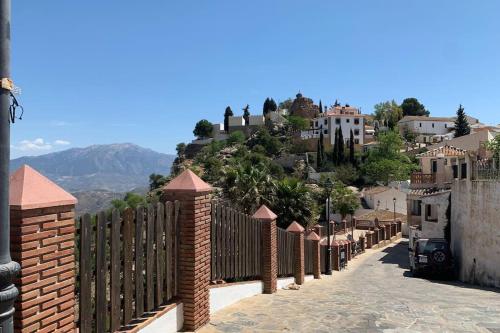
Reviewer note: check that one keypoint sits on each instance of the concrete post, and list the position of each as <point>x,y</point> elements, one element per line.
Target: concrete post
<point>43,242</point>
<point>298,249</point>
<point>269,249</point>
<point>194,246</point>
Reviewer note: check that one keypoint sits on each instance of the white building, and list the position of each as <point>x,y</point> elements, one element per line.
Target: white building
<point>426,128</point>
<point>345,117</point>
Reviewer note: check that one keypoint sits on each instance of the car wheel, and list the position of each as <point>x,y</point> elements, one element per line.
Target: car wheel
<point>439,257</point>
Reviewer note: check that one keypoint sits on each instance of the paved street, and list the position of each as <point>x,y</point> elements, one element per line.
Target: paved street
<point>375,294</point>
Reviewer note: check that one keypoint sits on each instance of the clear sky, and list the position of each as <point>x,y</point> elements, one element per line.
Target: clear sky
<point>145,71</point>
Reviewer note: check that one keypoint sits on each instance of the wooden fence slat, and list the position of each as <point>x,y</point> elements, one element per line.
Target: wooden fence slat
<point>160,250</point>
<point>115,289</point>
<point>223,245</point>
<point>150,258</point>
<point>85,306</point>
<point>219,242</point>
<point>175,227</point>
<point>128,219</point>
<point>233,243</point>
<point>139,262</point>
<point>168,250</point>
<point>213,250</point>
<point>228,243</point>
<point>101,275</point>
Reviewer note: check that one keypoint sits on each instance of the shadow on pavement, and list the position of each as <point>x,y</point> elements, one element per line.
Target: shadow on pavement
<point>398,255</point>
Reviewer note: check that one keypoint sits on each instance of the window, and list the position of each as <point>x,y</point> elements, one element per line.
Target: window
<point>432,125</point>
<point>326,121</point>
<point>428,214</point>
<point>356,132</point>
<point>325,131</point>
<point>337,121</point>
<point>356,141</point>
<point>455,171</point>
<point>356,121</point>
<point>416,207</point>
<point>463,172</point>
<point>348,120</point>
<point>434,166</point>
<point>420,125</point>
<point>445,125</point>
<point>316,124</point>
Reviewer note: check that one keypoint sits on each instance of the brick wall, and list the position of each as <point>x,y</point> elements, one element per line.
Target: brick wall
<point>42,242</point>
<point>299,265</point>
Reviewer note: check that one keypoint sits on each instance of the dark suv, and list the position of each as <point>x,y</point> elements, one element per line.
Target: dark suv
<point>431,256</point>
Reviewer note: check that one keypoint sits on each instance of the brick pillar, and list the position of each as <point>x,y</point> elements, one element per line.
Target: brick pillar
<point>348,245</point>
<point>42,221</point>
<point>316,254</point>
<point>369,239</point>
<point>362,242</point>
<point>269,248</point>
<point>336,256</point>
<point>376,234</point>
<point>387,229</point>
<point>194,246</point>
<point>298,250</point>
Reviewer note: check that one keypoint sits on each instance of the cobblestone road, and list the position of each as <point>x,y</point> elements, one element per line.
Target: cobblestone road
<point>375,294</point>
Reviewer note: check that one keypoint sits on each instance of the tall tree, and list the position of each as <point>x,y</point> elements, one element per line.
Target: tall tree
<point>203,129</point>
<point>246,114</point>
<point>269,106</point>
<point>462,126</point>
<point>352,158</point>
<point>320,107</point>
<point>412,107</point>
<point>335,155</point>
<point>321,151</point>
<point>341,151</point>
<point>228,113</point>
<point>389,113</point>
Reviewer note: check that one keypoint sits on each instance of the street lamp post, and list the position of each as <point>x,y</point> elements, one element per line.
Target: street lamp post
<point>394,201</point>
<point>328,250</point>
<point>8,268</point>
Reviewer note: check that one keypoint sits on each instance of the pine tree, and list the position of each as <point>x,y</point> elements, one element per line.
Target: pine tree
<point>352,158</point>
<point>336,103</point>
<point>228,113</point>
<point>335,156</point>
<point>341,157</point>
<point>246,114</point>
<point>320,107</point>
<point>462,126</point>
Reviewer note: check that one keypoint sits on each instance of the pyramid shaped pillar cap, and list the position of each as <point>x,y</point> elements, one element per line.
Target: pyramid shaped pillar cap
<point>264,213</point>
<point>31,190</point>
<point>313,236</point>
<point>295,227</point>
<point>188,181</point>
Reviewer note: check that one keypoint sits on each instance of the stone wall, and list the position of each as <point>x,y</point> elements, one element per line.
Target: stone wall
<point>475,231</point>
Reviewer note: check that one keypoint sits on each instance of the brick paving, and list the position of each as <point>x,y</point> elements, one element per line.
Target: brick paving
<point>375,294</point>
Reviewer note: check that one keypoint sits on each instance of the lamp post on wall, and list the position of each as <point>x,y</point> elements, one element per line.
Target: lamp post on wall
<point>394,201</point>
<point>328,250</point>
<point>8,268</point>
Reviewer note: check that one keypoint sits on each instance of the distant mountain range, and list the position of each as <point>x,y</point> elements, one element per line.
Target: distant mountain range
<point>97,171</point>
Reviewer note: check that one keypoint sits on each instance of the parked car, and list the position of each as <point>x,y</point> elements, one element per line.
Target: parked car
<point>431,256</point>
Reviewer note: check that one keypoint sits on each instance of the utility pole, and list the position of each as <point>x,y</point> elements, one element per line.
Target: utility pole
<point>8,268</point>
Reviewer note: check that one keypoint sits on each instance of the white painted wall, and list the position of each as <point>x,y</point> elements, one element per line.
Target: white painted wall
<point>283,282</point>
<point>220,297</point>
<point>428,126</point>
<point>170,322</point>
<point>475,231</point>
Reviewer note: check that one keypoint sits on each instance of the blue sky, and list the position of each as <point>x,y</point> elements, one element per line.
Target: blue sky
<point>145,71</point>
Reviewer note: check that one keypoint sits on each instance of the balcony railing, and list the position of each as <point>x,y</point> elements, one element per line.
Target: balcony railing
<point>423,178</point>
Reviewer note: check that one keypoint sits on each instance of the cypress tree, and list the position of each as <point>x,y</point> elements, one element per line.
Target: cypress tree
<point>320,107</point>
<point>228,113</point>
<point>462,126</point>
<point>351,149</point>
<point>321,152</point>
<point>335,155</point>
<point>246,114</point>
<point>341,157</point>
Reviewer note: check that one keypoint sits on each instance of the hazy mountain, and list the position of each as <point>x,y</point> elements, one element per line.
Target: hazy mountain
<point>115,168</point>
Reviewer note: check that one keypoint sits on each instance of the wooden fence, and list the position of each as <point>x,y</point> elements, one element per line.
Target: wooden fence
<point>127,265</point>
<point>285,252</point>
<point>236,240</point>
<point>308,256</point>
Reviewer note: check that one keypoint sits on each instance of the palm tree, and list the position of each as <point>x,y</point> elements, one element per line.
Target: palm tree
<point>249,186</point>
<point>292,201</point>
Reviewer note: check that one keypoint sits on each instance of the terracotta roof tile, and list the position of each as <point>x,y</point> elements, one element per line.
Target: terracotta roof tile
<point>445,150</point>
